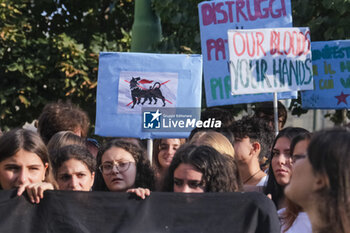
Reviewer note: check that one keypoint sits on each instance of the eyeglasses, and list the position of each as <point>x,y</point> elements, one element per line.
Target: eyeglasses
<point>108,168</point>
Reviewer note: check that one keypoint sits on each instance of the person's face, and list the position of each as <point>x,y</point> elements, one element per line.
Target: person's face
<point>299,190</point>
<point>282,161</point>
<point>75,175</point>
<point>243,148</point>
<point>280,123</point>
<point>167,149</point>
<point>22,168</point>
<point>271,121</point>
<point>116,180</point>
<point>188,180</point>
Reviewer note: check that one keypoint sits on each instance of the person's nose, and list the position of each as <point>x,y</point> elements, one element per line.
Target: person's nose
<point>185,189</point>
<point>283,159</point>
<point>115,169</point>
<point>74,183</point>
<point>22,177</point>
<point>169,150</point>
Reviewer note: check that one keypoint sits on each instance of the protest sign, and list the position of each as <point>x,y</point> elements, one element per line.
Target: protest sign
<point>331,67</point>
<point>216,17</point>
<point>270,60</point>
<point>129,82</point>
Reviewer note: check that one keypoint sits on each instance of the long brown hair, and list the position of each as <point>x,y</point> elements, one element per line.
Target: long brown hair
<point>328,153</point>
<point>272,187</point>
<point>16,139</point>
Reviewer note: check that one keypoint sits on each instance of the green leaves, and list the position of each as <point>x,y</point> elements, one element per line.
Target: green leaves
<point>180,25</point>
<point>49,51</point>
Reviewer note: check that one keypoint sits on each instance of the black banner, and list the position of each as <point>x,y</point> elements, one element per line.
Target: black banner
<point>104,212</point>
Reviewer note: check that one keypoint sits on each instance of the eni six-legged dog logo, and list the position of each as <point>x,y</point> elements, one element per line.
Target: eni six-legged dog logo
<point>141,93</point>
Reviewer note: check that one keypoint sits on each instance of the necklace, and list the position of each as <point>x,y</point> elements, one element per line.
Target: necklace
<point>250,177</point>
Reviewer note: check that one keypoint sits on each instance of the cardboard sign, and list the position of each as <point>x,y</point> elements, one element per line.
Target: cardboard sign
<point>216,18</point>
<point>331,68</point>
<point>270,60</point>
<point>129,82</point>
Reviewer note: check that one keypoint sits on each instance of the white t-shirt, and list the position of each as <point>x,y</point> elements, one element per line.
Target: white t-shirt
<point>300,225</point>
<point>263,181</point>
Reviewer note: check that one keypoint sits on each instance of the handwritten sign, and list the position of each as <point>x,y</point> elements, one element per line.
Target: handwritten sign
<point>331,68</point>
<point>216,17</point>
<point>270,60</point>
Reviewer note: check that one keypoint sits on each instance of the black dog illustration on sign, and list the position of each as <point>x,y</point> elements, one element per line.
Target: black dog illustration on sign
<point>137,93</point>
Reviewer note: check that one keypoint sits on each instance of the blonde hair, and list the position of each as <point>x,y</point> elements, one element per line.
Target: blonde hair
<point>215,140</point>
<point>63,138</point>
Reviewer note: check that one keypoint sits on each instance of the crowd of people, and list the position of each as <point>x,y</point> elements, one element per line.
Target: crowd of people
<point>306,175</point>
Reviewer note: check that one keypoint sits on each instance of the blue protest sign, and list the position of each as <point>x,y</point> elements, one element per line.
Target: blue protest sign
<point>331,68</point>
<point>216,18</point>
<point>129,82</point>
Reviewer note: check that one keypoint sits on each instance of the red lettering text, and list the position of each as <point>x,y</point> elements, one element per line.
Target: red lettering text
<point>218,46</point>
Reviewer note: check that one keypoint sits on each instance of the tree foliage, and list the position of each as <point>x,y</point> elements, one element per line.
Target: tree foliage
<point>180,25</point>
<point>49,51</point>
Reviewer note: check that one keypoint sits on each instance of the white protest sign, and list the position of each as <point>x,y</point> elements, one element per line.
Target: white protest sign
<point>270,60</point>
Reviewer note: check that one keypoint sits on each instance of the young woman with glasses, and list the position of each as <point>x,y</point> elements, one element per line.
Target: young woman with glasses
<point>123,168</point>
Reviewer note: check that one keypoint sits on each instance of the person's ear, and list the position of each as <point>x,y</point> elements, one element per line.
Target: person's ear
<point>321,182</point>
<point>46,170</point>
<point>256,148</point>
<point>78,131</point>
<point>92,178</point>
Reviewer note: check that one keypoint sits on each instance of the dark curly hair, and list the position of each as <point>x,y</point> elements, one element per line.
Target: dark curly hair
<point>56,117</point>
<point>220,173</point>
<point>77,152</point>
<point>272,187</point>
<point>257,130</point>
<point>144,172</point>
